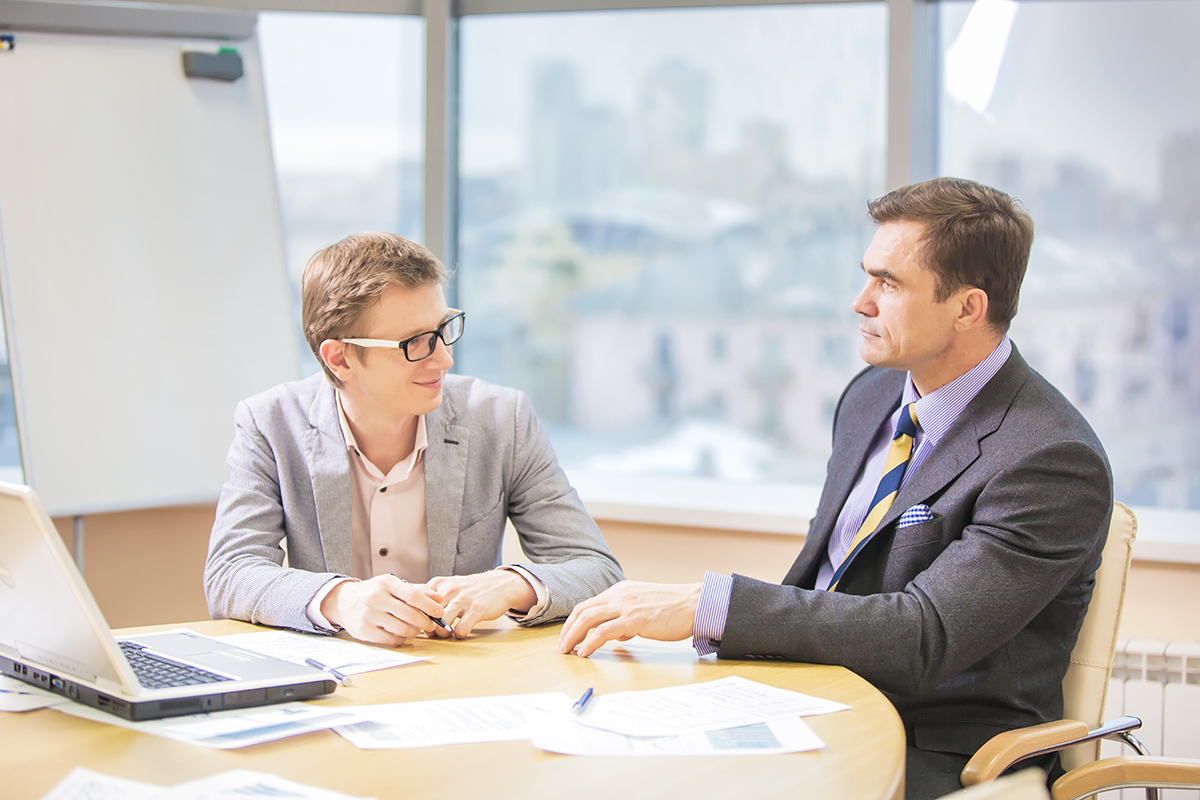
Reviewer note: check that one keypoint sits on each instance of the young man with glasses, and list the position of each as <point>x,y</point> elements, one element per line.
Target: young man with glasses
<point>391,480</point>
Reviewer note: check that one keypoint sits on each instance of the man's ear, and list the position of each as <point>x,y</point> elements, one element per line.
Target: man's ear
<point>972,308</point>
<point>333,353</point>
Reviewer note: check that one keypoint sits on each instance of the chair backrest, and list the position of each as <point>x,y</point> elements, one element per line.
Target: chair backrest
<point>1086,683</point>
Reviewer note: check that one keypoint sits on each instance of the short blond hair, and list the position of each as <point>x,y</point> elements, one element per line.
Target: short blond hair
<point>341,281</point>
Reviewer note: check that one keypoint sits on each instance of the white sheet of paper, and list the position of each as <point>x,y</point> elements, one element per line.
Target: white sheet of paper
<point>694,708</point>
<point>226,730</point>
<point>18,696</point>
<point>239,784</point>
<point>350,658</point>
<point>427,723</point>
<point>19,701</point>
<point>637,644</point>
<point>84,784</point>
<point>558,734</point>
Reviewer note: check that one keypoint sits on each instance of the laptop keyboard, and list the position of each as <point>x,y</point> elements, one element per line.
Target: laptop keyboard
<point>158,673</point>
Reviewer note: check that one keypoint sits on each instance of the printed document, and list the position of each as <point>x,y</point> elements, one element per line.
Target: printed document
<point>226,730</point>
<point>349,658</point>
<point>557,734</point>
<point>460,721</point>
<point>726,703</point>
<point>238,784</point>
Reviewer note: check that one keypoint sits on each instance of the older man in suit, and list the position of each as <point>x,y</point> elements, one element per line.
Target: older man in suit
<point>952,554</point>
<point>390,480</point>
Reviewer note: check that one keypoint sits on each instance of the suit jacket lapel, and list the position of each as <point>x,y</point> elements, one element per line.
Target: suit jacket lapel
<point>842,476</point>
<point>445,480</point>
<point>852,443</point>
<point>959,447</point>
<point>329,469</point>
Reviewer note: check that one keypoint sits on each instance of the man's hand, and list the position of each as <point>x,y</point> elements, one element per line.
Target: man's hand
<point>471,599</point>
<point>655,610</point>
<point>382,610</point>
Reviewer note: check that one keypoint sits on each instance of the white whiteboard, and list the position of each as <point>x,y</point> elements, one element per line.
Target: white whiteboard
<point>142,266</point>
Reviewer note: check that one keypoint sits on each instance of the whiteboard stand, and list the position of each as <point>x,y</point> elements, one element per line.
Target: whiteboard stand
<point>77,546</point>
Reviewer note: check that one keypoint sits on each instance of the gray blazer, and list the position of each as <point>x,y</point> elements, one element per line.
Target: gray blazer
<point>487,461</point>
<point>966,621</point>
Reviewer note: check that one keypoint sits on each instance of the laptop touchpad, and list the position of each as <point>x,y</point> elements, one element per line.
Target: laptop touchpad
<point>176,643</point>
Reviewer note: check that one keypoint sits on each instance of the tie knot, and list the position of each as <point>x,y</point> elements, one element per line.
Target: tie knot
<point>907,424</point>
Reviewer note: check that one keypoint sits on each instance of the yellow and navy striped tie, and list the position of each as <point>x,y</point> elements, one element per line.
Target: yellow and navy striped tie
<point>889,484</point>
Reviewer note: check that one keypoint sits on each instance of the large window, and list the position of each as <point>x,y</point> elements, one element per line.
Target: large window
<point>344,97</point>
<point>661,212</point>
<point>661,217</point>
<point>1089,111</point>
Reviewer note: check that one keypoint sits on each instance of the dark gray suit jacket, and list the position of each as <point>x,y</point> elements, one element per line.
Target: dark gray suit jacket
<point>487,461</point>
<point>967,621</point>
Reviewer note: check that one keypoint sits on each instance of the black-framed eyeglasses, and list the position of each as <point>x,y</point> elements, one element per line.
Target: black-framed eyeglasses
<point>421,346</point>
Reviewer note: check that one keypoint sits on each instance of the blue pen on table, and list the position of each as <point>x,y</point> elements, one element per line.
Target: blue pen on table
<point>581,703</point>
<point>441,623</point>
<point>341,677</point>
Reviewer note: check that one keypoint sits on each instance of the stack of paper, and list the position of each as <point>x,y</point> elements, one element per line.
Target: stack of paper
<point>732,716</point>
<point>729,716</point>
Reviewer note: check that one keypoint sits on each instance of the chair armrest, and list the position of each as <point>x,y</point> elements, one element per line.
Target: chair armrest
<point>1120,772</point>
<point>1005,749</point>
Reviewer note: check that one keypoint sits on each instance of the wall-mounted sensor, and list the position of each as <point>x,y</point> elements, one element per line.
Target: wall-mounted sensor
<point>223,65</point>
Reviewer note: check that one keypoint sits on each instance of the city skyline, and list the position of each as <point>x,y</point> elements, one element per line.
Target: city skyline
<point>634,225</point>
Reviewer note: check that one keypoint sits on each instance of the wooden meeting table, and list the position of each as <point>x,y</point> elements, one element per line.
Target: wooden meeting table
<point>863,757</point>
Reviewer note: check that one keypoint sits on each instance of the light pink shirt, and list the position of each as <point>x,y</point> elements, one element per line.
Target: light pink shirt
<point>387,522</point>
<point>387,512</point>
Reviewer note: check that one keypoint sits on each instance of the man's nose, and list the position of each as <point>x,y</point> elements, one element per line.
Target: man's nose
<point>863,304</point>
<point>443,357</point>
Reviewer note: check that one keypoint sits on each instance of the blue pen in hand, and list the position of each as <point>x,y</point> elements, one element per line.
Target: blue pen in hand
<point>581,703</point>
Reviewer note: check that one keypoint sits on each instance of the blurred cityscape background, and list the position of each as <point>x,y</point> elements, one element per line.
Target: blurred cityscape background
<point>662,213</point>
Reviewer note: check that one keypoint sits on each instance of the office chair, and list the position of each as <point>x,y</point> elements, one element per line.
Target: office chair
<point>1085,684</point>
<point>1128,773</point>
<point>1028,784</point>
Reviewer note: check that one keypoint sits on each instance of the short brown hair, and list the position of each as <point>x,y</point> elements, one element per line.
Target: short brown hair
<point>343,280</point>
<point>974,236</point>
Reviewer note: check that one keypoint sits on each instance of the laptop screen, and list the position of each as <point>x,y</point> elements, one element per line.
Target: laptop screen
<point>47,614</point>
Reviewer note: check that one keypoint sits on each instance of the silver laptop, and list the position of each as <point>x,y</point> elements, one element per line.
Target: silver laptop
<point>53,635</point>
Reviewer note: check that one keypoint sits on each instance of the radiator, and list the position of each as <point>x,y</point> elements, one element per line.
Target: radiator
<point>1157,680</point>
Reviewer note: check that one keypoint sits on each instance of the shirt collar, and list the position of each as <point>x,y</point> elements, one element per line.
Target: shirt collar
<point>938,410</point>
<point>420,443</point>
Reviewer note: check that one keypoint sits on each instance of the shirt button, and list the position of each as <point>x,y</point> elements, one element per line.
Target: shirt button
<point>383,489</point>
<point>383,551</point>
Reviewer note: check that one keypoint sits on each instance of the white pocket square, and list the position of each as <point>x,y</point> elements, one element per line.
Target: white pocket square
<point>915,515</point>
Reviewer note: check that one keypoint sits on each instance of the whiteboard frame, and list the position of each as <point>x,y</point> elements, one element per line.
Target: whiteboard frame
<point>250,266</point>
<point>126,19</point>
